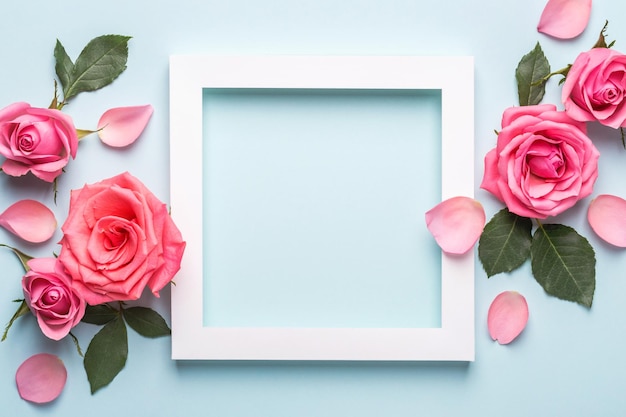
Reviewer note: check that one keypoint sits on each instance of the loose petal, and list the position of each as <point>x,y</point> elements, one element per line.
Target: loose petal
<point>456,224</point>
<point>121,126</point>
<point>507,317</point>
<point>41,378</point>
<point>607,217</point>
<point>565,19</point>
<point>30,220</point>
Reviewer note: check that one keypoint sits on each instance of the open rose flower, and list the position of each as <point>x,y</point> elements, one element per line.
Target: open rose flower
<point>543,162</point>
<point>118,239</point>
<point>36,140</point>
<point>51,298</point>
<point>595,88</point>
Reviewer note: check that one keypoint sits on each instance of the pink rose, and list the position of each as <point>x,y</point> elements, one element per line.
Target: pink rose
<point>36,140</point>
<point>543,162</point>
<point>51,298</point>
<point>118,238</point>
<point>595,86</point>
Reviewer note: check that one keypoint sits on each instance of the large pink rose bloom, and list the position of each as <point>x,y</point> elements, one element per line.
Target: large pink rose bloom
<point>49,294</point>
<point>36,140</point>
<point>543,162</point>
<point>595,87</point>
<point>118,239</point>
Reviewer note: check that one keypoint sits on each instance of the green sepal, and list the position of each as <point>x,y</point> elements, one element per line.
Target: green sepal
<point>100,314</point>
<point>601,42</point>
<point>98,65</point>
<point>22,310</point>
<point>531,74</point>
<point>24,258</point>
<point>564,263</point>
<point>81,133</point>
<point>146,322</point>
<point>106,355</point>
<point>505,242</point>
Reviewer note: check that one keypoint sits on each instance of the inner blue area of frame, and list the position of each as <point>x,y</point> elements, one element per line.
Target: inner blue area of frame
<point>314,205</point>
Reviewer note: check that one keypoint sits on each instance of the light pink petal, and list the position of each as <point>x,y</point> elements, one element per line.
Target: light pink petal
<point>607,217</point>
<point>565,19</point>
<point>30,220</point>
<point>456,224</point>
<point>41,378</point>
<point>507,317</point>
<point>121,126</point>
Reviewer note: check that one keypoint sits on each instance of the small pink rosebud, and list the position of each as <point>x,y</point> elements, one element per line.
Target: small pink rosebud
<point>121,126</point>
<point>507,316</point>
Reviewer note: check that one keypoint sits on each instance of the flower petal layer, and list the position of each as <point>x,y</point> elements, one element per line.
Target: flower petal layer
<point>607,217</point>
<point>565,19</point>
<point>456,224</point>
<point>121,126</point>
<point>30,220</point>
<point>507,316</point>
<point>41,378</point>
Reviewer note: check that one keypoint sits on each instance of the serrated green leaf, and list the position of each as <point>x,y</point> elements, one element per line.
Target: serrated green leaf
<point>20,255</point>
<point>64,65</point>
<point>531,73</point>
<point>100,314</point>
<point>146,322</point>
<point>563,263</point>
<point>100,62</point>
<point>106,355</point>
<point>504,244</point>
<point>21,310</point>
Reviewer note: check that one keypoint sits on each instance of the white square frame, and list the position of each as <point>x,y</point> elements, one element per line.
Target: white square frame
<point>189,76</point>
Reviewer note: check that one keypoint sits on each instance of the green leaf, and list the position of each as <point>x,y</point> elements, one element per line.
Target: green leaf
<point>563,263</point>
<point>504,244</point>
<point>20,255</point>
<point>100,62</point>
<point>146,322</point>
<point>64,65</point>
<point>531,74</point>
<point>21,310</point>
<point>106,354</point>
<point>100,314</point>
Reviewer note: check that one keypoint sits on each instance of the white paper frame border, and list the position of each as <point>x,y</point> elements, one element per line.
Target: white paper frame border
<point>189,75</point>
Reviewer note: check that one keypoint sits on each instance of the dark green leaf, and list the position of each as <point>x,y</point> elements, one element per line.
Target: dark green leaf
<point>100,314</point>
<point>146,322</point>
<point>564,263</point>
<point>504,244</point>
<point>106,354</point>
<point>100,62</point>
<point>531,74</point>
<point>20,255</point>
<point>64,65</point>
<point>21,310</point>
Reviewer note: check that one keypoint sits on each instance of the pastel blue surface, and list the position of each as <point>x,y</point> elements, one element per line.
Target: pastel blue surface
<point>569,360</point>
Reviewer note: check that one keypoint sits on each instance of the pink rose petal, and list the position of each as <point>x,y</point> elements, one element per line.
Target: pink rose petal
<point>30,220</point>
<point>41,378</point>
<point>121,126</point>
<point>565,19</point>
<point>607,217</point>
<point>507,317</point>
<point>456,224</point>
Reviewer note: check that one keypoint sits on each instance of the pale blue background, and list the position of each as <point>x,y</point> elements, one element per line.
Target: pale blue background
<point>568,361</point>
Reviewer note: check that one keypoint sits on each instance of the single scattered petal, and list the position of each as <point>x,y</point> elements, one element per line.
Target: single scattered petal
<point>607,217</point>
<point>30,220</point>
<point>121,126</point>
<point>41,378</point>
<point>565,19</point>
<point>456,224</point>
<point>507,316</point>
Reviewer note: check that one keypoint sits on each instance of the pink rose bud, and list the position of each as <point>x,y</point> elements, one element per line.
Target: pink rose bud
<point>121,126</point>
<point>36,140</point>
<point>29,220</point>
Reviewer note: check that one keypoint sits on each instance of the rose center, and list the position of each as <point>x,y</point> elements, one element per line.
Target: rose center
<point>26,143</point>
<point>51,296</point>
<point>545,160</point>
